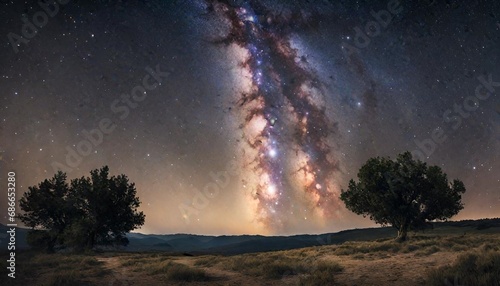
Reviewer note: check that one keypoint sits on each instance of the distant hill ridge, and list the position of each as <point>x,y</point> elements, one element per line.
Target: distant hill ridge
<point>237,244</point>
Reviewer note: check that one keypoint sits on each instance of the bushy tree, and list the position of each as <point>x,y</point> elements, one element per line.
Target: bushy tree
<point>404,193</point>
<point>95,210</point>
<point>108,208</point>
<point>46,206</point>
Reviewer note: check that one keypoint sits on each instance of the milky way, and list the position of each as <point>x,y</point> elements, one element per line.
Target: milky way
<point>284,121</point>
<point>265,84</point>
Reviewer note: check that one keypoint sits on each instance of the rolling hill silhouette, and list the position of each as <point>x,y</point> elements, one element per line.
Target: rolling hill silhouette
<point>239,244</point>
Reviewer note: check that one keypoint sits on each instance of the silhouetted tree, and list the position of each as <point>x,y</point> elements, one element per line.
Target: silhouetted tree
<point>46,206</point>
<point>404,193</point>
<point>95,210</point>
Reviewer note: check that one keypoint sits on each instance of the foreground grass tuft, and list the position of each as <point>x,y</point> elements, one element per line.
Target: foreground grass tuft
<point>479,269</point>
<point>322,274</point>
<point>180,272</point>
<point>64,278</point>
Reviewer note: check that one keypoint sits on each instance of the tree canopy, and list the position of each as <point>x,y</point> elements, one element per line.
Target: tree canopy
<point>89,211</point>
<point>404,193</point>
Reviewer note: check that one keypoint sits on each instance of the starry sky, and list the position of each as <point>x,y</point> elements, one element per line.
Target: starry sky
<point>250,116</point>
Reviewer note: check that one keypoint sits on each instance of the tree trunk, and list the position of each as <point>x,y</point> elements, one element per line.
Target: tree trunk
<point>402,233</point>
<point>91,240</point>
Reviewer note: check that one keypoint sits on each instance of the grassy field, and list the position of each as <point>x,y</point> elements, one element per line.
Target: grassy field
<point>431,258</point>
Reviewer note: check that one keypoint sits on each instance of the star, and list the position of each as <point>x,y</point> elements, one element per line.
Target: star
<point>272,153</point>
<point>278,89</point>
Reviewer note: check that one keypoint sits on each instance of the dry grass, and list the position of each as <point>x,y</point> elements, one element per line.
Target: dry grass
<point>276,265</point>
<point>65,278</point>
<point>426,259</point>
<point>207,261</point>
<point>479,269</point>
<point>419,245</point>
<point>180,272</point>
<point>268,265</point>
<point>57,269</point>
<point>322,274</point>
<point>163,266</point>
<point>145,262</point>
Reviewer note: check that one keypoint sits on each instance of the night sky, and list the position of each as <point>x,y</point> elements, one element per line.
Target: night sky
<point>250,116</point>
